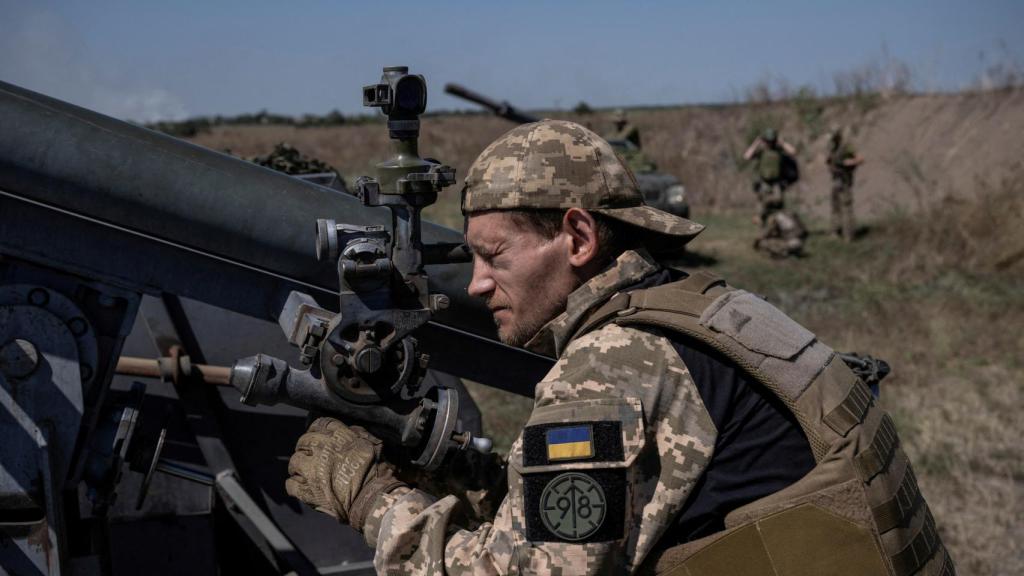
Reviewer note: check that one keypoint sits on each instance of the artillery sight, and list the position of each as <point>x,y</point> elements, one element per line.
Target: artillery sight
<point>402,97</point>
<point>363,363</point>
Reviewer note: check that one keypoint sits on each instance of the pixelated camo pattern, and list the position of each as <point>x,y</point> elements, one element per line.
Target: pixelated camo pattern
<point>549,164</point>
<point>628,374</point>
<point>555,164</point>
<point>630,268</point>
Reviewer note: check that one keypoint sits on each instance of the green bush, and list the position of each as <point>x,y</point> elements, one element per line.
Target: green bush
<point>809,109</point>
<point>583,108</point>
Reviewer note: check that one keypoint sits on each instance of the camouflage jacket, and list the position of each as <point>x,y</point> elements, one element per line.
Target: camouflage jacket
<point>839,154</point>
<point>616,442</point>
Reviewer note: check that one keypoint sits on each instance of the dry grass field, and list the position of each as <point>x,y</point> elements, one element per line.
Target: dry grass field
<point>935,285</point>
<point>919,148</point>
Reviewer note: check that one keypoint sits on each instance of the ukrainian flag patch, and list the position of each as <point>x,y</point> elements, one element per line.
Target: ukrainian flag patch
<point>570,443</point>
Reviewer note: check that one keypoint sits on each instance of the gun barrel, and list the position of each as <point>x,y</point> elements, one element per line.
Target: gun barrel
<point>87,193</point>
<point>503,109</point>
<point>460,91</point>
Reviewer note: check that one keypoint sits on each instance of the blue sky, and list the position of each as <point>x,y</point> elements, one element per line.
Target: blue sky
<point>146,60</point>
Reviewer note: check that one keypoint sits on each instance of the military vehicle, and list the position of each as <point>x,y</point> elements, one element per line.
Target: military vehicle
<point>660,189</point>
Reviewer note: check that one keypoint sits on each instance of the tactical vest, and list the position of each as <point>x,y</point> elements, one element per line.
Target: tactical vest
<point>837,156</point>
<point>769,165</point>
<point>858,511</point>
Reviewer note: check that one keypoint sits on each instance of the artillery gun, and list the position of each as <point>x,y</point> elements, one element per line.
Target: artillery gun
<point>660,189</point>
<point>110,233</point>
<point>116,241</point>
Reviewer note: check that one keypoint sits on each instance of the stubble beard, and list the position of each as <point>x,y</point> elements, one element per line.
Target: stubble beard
<point>526,323</point>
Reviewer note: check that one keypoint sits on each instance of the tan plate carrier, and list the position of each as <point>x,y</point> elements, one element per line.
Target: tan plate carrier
<point>858,511</point>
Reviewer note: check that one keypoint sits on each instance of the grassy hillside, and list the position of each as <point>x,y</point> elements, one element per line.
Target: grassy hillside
<point>935,286</point>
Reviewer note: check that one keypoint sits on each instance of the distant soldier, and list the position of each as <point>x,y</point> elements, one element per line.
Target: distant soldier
<point>842,162</point>
<point>775,171</point>
<point>624,129</point>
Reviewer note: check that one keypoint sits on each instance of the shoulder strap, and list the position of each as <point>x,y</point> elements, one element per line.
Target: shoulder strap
<point>689,296</point>
<point>767,354</point>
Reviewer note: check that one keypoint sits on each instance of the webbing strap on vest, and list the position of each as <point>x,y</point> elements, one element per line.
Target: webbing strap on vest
<point>687,295</point>
<point>920,550</point>
<point>947,565</point>
<point>897,510</point>
<point>875,458</point>
<point>850,411</point>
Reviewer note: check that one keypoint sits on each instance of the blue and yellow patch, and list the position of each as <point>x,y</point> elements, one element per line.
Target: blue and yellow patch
<point>594,441</point>
<point>570,443</point>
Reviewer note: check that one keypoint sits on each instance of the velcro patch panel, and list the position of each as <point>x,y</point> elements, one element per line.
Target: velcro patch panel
<point>575,507</point>
<point>597,441</point>
<point>570,443</point>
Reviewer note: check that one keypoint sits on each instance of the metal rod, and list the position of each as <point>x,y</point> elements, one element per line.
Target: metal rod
<point>153,368</point>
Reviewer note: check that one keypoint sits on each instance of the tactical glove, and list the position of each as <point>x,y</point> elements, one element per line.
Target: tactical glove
<point>479,481</point>
<point>337,470</point>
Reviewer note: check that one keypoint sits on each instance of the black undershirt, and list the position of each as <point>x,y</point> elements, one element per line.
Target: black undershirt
<point>760,447</point>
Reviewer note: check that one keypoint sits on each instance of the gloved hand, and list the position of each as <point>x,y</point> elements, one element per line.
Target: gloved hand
<point>337,470</point>
<point>479,481</point>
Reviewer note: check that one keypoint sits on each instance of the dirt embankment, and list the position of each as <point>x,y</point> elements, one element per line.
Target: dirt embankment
<point>918,148</point>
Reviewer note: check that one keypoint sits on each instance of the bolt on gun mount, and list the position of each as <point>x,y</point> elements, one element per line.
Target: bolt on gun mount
<point>362,363</point>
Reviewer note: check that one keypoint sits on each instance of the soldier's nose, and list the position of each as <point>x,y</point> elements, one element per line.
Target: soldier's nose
<point>481,284</point>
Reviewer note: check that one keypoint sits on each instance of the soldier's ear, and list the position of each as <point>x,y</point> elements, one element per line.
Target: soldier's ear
<point>581,231</point>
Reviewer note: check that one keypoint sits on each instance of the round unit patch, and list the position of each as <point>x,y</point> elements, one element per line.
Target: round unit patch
<point>572,506</point>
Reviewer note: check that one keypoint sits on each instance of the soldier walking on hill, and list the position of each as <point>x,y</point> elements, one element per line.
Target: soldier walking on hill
<point>776,171</point>
<point>782,233</point>
<point>842,162</point>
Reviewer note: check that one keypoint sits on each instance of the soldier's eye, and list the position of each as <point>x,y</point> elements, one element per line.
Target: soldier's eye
<point>484,256</point>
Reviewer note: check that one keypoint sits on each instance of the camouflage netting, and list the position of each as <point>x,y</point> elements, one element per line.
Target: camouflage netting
<point>286,158</point>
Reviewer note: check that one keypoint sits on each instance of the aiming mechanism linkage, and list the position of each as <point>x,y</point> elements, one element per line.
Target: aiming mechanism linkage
<point>363,364</point>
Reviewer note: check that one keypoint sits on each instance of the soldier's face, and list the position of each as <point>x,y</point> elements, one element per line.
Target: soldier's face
<point>525,277</point>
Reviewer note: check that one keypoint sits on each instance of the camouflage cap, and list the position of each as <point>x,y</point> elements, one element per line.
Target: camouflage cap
<point>555,164</point>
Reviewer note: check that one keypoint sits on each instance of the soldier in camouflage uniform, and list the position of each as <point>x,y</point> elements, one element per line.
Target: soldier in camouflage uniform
<point>782,232</point>
<point>624,129</point>
<point>772,154</point>
<point>842,160</point>
<point>652,446</point>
